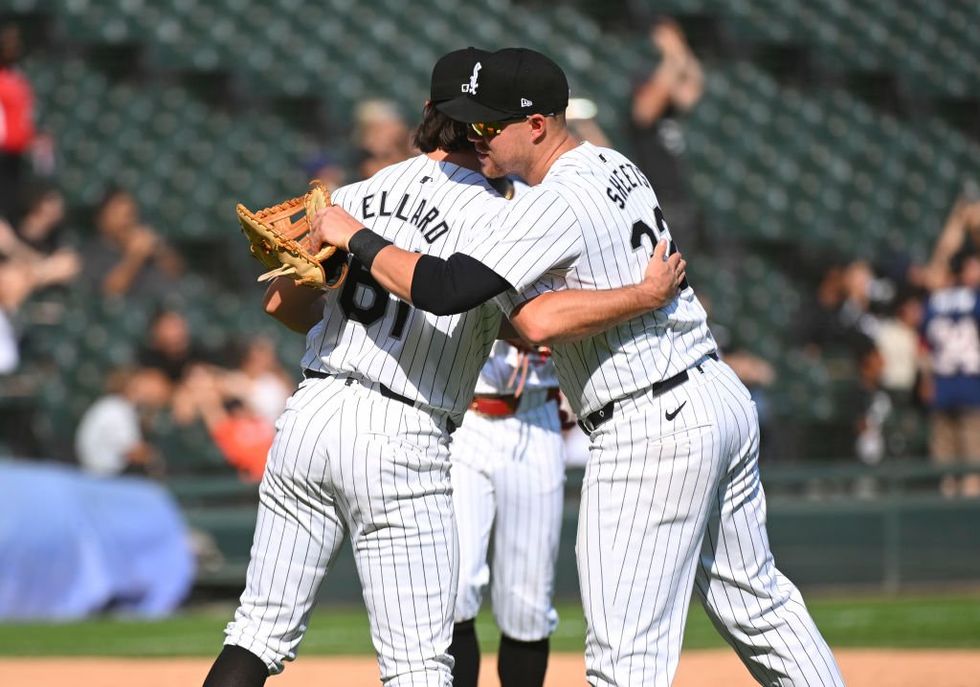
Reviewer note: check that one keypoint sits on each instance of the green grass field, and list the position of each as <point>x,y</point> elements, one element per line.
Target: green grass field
<point>926,622</point>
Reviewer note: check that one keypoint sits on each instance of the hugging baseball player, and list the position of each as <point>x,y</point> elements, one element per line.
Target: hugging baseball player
<point>508,473</point>
<point>671,502</point>
<point>362,446</point>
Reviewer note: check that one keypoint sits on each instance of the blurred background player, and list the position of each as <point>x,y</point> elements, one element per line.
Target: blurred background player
<point>508,475</point>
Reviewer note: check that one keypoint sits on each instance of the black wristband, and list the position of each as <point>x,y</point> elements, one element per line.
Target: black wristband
<point>365,246</point>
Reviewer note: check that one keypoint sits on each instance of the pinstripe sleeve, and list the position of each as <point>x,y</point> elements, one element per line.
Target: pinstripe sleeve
<point>510,299</point>
<point>536,234</point>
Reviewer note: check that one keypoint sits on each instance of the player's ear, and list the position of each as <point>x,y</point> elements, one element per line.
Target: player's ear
<point>538,126</point>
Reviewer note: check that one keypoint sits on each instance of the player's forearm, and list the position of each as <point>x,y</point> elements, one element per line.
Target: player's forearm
<point>507,331</point>
<point>441,287</point>
<point>436,285</point>
<point>295,306</point>
<point>567,316</point>
<point>394,269</point>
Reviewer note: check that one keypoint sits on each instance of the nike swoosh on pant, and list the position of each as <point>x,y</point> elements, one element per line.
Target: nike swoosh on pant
<point>671,415</point>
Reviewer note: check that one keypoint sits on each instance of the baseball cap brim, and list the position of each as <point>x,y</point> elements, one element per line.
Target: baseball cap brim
<point>465,109</point>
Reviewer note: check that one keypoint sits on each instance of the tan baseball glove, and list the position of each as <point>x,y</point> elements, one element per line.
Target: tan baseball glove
<point>278,237</point>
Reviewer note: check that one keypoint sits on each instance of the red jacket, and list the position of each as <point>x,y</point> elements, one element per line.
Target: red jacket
<point>16,112</point>
<point>245,442</point>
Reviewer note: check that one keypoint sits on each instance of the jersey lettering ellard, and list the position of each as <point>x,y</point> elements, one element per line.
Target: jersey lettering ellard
<point>424,206</point>
<point>593,224</point>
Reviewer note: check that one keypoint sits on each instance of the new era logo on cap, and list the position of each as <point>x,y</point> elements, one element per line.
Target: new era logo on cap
<point>513,82</point>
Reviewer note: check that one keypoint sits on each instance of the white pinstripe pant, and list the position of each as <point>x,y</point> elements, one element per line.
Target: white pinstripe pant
<point>346,459</point>
<point>508,475</point>
<point>671,507</point>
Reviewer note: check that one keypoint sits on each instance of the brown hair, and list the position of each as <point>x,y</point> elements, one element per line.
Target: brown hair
<point>437,131</point>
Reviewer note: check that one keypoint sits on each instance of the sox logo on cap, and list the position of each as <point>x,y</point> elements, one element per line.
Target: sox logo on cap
<point>474,83</point>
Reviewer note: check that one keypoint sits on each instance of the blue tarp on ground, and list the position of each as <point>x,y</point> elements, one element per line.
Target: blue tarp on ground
<point>72,544</point>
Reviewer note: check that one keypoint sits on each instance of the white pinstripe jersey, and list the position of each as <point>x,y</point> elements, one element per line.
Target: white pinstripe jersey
<point>497,375</point>
<point>592,223</point>
<point>424,206</point>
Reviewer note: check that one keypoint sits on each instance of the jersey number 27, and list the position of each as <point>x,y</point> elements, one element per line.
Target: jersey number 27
<point>641,229</point>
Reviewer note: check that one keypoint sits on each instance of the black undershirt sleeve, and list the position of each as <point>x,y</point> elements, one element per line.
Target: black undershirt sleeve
<point>454,285</point>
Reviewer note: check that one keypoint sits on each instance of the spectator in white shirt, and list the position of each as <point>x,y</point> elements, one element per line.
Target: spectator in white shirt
<point>109,440</point>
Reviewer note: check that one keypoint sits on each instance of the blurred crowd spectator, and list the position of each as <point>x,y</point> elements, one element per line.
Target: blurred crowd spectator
<point>908,333</point>
<point>897,335</point>
<point>953,369</point>
<point>328,168</point>
<point>127,257</point>
<point>236,405</point>
<point>260,380</point>
<point>381,136</point>
<point>661,98</point>
<point>243,436</point>
<point>169,347</point>
<point>110,437</point>
<point>16,120</point>
<point>14,288</point>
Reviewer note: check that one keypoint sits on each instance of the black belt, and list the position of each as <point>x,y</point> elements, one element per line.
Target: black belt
<point>590,422</point>
<point>385,391</point>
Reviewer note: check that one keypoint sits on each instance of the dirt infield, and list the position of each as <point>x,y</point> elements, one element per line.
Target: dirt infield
<point>862,668</point>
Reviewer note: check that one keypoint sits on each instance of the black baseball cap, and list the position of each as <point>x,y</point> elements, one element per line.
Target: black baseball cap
<point>513,82</point>
<point>451,73</point>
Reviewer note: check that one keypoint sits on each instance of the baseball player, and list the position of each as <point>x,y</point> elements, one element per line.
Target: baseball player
<point>362,446</point>
<point>671,500</point>
<point>508,474</point>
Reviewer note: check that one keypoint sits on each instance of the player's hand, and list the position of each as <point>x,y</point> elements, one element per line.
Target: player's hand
<point>663,278</point>
<point>333,226</point>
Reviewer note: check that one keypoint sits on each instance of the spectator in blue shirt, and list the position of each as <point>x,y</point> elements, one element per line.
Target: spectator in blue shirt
<point>950,329</point>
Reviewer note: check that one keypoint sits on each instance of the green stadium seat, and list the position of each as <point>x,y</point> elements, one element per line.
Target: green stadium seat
<point>766,162</point>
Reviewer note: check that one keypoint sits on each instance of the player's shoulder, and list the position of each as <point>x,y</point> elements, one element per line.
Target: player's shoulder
<point>470,183</point>
<point>519,186</point>
<point>536,202</point>
<point>467,194</point>
<point>587,158</point>
<point>544,192</point>
<point>591,161</point>
<point>383,178</point>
